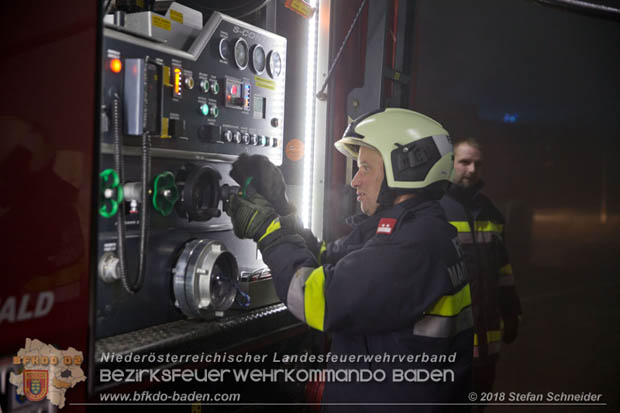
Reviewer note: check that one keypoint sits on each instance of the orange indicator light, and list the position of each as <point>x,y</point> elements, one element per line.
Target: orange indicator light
<point>116,66</point>
<point>177,81</point>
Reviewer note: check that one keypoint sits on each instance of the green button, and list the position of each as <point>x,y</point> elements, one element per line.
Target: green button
<point>204,109</point>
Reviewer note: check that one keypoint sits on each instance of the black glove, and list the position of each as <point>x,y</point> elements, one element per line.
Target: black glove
<point>511,329</point>
<point>265,177</point>
<point>250,217</point>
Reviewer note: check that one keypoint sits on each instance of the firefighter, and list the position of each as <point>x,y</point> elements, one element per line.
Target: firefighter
<point>481,233</point>
<point>393,293</point>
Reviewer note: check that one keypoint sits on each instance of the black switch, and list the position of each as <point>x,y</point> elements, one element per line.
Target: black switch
<point>176,127</point>
<point>210,133</point>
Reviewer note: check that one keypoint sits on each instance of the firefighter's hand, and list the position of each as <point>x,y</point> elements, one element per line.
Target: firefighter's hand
<point>511,329</point>
<point>251,217</point>
<point>265,177</point>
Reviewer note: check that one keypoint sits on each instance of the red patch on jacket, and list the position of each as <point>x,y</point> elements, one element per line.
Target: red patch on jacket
<point>386,225</point>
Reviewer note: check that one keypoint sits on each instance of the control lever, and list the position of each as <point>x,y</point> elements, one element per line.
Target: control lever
<point>226,191</point>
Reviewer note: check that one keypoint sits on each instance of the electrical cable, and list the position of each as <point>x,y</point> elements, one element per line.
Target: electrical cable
<point>118,167</point>
<point>107,7</point>
<point>583,5</point>
<point>321,93</point>
<point>144,213</point>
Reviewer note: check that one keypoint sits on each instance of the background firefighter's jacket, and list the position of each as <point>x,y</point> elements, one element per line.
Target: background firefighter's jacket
<point>394,286</point>
<point>494,299</point>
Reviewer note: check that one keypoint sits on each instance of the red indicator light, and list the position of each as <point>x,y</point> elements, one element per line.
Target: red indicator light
<point>116,66</point>
<point>233,89</point>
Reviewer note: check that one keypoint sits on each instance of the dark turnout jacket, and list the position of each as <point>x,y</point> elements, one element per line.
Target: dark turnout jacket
<point>395,286</point>
<point>481,233</point>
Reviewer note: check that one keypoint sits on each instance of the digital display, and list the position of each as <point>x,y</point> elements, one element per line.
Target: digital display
<point>233,94</point>
<point>259,105</point>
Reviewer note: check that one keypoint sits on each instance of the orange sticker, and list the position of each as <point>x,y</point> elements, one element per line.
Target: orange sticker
<point>300,7</point>
<point>294,150</point>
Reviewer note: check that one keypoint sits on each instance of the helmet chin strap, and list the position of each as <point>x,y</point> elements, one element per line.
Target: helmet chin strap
<point>386,196</point>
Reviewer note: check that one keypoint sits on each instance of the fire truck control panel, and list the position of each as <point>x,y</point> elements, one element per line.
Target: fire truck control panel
<point>179,104</point>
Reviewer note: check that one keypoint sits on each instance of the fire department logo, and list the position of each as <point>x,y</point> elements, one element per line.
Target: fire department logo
<point>35,384</point>
<point>46,372</point>
<point>386,225</point>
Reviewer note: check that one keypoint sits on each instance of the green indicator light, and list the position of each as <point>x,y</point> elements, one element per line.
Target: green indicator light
<point>204,109</point>
<point>215,111</point>
<point>215,88</point>
<point>262,141</point>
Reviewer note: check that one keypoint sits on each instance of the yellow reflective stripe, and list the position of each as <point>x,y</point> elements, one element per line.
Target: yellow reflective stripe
<point>322,250</point>
<point>251,220</point>
<point>451,305</point>
<point>461,226</point>
<point>488,226</point>
<point>492,336</point>
<point>506,270</point>
<point>314,299</point>
<point>480,226</point>
<point>274,226</point>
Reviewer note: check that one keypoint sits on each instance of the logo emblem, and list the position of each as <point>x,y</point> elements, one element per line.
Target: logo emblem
<point>35,384</point>
<point>46,372</point>
<point>386,225</point>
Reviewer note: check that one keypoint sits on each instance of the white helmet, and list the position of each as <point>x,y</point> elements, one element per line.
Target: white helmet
<point>416,150</point>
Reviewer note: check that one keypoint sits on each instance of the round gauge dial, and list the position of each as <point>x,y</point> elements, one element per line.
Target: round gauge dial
<point>241,53</point>
<point>258,59</point>
<point>224,48</point>
<point>274,64</point>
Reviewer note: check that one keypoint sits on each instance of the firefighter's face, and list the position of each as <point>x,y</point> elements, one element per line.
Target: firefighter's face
<point>467,165</point>
<point>367,181</point>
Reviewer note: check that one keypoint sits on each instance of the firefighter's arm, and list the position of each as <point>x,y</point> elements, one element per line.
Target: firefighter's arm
<point>378,288</point>
<point>381,287</point>
<point>509,304</point>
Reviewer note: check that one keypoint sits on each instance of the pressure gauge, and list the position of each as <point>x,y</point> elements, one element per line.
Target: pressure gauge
<point>258,59</point>
<point>274,64</point>
<point>241,53</point>
<point>224,49</point>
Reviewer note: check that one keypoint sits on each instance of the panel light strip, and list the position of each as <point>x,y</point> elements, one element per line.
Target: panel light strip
<point>311,62</point>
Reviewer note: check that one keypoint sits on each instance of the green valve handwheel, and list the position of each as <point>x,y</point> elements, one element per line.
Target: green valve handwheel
<point>165,193</point>
<point>111,194</point>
